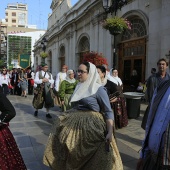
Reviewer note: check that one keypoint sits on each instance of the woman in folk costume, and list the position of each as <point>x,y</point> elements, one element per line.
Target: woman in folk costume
<point>4,81</point>
<point>66,89</point>
<point>10,157</point>
<point>82,138</point>
<point>119,107</point>
<point>109,85</point>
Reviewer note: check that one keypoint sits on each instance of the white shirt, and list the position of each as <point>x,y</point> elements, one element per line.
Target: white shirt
<point>39,81</point>
<point>59,78</point>
<point>4,79</point>
<point>32,75</point>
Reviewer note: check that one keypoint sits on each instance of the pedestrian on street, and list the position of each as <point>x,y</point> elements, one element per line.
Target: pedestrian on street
<point>82,138</point>
<point>134,80</point>
<point>43,96</point>
<point>153,81</point>
<point>60,77</point>
<point>4,81</point>
<point>10,157</point>
<point>155,153</point>
<point>119,106</point>
<point>30,77</point>
<point>66,89</point>
<point>23,84</point>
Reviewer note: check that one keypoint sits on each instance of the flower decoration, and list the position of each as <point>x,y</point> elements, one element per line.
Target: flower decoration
<point>95,58</point>
<point>116,25</point>
<point>44,54</point>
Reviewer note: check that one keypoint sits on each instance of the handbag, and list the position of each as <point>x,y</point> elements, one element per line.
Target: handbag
<point>38,100</point>
<point>32,82</point>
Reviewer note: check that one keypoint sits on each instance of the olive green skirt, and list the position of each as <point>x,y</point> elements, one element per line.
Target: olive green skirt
<point>77,142</point>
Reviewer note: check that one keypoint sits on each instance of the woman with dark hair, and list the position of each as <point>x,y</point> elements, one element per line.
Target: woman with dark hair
<point>4,81</point>
<point>119,107</point>
<point>10,157</point>
<point>82,138</point>
<point>110,86</point>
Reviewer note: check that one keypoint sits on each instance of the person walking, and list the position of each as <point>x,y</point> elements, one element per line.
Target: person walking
<point>82,138</point>
<point>23,84</point>
<point>30,78</point>
<point>14,80</point>
<point>60,77</point>
<point>134,80</point>
<point>4,81</point>
<point>119,107</point>
<point>10,157</point>
<point>66,89</point>
<point>155,149</point>
<point>153,81</point>
<point>44,81</point>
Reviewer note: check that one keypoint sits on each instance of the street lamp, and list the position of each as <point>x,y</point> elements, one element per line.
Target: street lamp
<point>112,6</point>
<point>44,44</point>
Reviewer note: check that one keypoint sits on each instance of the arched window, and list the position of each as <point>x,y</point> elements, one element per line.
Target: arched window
<point>83,47</point>
<point>138,30</point>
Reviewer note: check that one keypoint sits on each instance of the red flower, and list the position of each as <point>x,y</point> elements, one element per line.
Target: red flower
<point>95,58</point>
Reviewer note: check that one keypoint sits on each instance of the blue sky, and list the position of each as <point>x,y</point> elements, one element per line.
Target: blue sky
<point>38,11</point>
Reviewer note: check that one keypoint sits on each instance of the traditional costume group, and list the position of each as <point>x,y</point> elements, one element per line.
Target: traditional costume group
<point>78,137</point>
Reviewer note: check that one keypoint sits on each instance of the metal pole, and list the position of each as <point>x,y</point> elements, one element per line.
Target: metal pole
<point>114,39</point>
<point>114,51</point>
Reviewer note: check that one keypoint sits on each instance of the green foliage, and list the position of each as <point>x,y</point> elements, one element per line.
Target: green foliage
<point>117,23</point>
<point>44,54</point>
<point>1,63</point>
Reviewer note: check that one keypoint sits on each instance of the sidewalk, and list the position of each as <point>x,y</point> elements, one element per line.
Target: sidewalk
<point>31,134</point>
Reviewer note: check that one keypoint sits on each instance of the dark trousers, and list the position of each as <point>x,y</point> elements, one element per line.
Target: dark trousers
<point>4,89</point>
<point>30,89</point>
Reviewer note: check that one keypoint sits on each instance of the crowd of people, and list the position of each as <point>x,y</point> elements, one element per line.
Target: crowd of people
<point>17,81</point>
<point>92,105</point>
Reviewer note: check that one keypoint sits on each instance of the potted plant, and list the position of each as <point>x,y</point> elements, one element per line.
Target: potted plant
<point>116,25</point>
<point>44,54</point>
<point>95,58</point>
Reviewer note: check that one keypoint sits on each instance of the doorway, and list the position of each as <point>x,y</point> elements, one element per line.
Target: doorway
<point>132,56</point>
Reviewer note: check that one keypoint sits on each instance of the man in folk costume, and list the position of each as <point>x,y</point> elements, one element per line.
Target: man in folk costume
<point>155,153</point>
<point>44,79</point>
<point>60,77</point>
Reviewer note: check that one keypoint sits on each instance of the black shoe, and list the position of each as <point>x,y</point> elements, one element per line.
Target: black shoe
<point>25,96</point>
<point>36,113</point>
<point>48,115</point>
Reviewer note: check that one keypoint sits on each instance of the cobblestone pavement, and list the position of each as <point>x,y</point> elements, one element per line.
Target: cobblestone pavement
<point>31,134</point>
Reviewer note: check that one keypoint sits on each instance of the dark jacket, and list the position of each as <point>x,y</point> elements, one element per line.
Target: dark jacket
<point>153,82</point>
<point>6,108</point>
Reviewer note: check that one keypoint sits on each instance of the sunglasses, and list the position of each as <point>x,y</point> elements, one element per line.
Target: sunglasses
<point>81,71</point>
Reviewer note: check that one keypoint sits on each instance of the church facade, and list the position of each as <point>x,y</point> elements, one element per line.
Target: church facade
<point>73,31</point>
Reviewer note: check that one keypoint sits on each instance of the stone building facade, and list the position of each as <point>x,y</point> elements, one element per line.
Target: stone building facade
<point>75,30</point>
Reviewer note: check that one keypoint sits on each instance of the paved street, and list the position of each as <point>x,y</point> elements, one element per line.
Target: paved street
<point>31,134</point>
